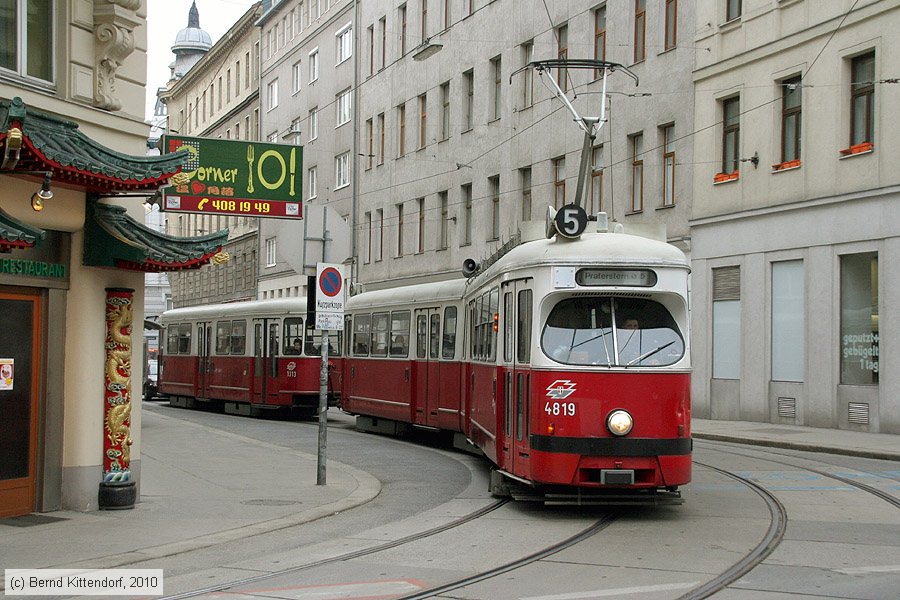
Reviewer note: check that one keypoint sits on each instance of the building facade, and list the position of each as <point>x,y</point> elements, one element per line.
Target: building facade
<point>214,93</point>
<point>308,98</point>
<point>72,137</point>
<point>795,224</point>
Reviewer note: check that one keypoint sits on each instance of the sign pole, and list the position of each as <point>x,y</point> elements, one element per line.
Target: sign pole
<point>323,411</point>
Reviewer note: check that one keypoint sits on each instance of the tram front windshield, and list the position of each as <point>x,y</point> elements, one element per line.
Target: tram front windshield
<point>612,332</point>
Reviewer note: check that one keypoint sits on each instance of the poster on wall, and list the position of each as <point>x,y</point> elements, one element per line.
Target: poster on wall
<point>7,370</point>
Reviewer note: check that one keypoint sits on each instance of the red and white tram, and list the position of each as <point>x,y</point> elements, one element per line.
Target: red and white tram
<point>567,362</point>
<point>248,357</point>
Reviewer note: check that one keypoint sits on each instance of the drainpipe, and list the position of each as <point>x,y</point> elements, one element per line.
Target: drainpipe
<point>354,200</point>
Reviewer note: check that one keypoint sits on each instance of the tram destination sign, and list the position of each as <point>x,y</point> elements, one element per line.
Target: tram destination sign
<point>235,177</point>
<point>610,277</point>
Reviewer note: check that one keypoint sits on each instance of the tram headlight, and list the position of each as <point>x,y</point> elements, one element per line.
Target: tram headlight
<point>619,422</point>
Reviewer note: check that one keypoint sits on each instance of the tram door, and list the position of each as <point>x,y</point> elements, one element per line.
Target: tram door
<point>265,363</point>
<point>518,305</point>
<point>204,358</point>
<point>428,375</point>
<point>20,343</point>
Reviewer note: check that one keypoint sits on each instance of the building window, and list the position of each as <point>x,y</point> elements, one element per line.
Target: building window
<point>313,123</point>
<point>791,105</point>
<point>445,219</point>
<point>343,107</point>
<point>859,319</point>
<point>668,148</point>
<point>862,99</point>
<point>369,239</point>
<point>401,126</point>
<point>270,252</point>
<point>467,214</point>
<point>562,53</point>
<point>344,43</point>
<point>671,24</point>
<point>494,186</point>
<point>401,19</point>
<point>640,27</point>
<point>237,78</point>
<point>311,176</point>
<point>445,111</point>
<point>399,230</point>
<point>26,43</point>
<point>469,84</point>
<point>341,170</point>
<point>525,184</point>
<point>370,36</point>
<point>295,129</point>
<point>637,172</point>
<point>381,140</point>
<point>272,94</point>
<point>420,242</point>
<point>527,75</point>
<point>726,323</point>
<point>732,10</point>
<point>595,202</point>
<point>296,76</point>
<point>599,36</point>
<point>788,321</point>
<point>313,65</point>
<point>559,182</point>
<point>272,138</point>
<point>497,96</point>
<point>424,16</point>
<point>370,135</point>
<point>731,134</point>
<point>383,25</point>
<point>423,120</point>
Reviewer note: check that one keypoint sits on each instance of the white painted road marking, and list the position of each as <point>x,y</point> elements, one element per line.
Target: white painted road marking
<point>340,591</point>
<point>644,589</point>
<point>875,569</point>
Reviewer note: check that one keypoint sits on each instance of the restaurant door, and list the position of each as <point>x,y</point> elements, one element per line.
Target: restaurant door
<point>19,393</point>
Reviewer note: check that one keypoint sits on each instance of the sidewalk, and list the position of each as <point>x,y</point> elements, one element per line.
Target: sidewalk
<point>201,487</point>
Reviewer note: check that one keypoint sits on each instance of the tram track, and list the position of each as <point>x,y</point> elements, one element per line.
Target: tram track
<point>414,537</point>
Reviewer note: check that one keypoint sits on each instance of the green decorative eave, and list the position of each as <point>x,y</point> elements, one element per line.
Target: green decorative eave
<point>53,144</point>
<point>113,239</point>
<point>15,234</point>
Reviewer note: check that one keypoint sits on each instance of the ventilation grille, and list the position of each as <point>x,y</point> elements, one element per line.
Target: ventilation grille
<point>858,413</point>
<point>787,408</point>
<point>727,283</point>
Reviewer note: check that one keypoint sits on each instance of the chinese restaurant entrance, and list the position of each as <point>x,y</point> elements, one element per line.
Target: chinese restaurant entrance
<point>20,337</point>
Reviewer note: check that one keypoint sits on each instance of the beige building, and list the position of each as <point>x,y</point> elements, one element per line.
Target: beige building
<point>71,125</point>
<point>796,214</point>
<point>214,93</point>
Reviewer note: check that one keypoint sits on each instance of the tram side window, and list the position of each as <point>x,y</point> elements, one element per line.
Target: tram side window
<point>449,345</point>
<point>523,351</point>
<point>314,341</point>
<point>171,334</point>
<point>400,333</point>
<point>624,332</point>
<point>381,326</point>
<point>223,337</point>
<point>435,334</point>
<point>238,337</point>
<point>184,338</point>
<point>293,336</point>
<point>483,310</point>
<point>362,334</point>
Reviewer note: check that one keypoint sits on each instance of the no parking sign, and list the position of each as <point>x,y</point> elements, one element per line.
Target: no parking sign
<point>329,297</point>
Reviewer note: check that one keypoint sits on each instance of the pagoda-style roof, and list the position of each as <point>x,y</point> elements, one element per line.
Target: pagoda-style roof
<point>15,234</point>
<point>114,239</point>
<point>44,142</point>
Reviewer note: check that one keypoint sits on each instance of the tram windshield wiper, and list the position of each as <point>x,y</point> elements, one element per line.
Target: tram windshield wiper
<point>649,354</point>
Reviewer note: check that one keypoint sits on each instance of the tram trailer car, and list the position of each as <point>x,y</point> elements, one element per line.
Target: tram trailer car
<point>246,357</point>
<point>566,362</point>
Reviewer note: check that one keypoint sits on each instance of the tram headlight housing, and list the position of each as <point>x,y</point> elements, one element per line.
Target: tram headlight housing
<point>619,422</point>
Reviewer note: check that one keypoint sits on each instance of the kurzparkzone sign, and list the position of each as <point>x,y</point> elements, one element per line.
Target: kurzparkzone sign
<point>329,297</point>
<point>234,177</point>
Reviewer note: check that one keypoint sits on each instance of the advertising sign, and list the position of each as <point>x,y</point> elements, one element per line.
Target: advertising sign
<point>329,297</point>
<point>235,177</point>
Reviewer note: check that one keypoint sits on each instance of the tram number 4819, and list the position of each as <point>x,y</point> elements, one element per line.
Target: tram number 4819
<point>566,409</point>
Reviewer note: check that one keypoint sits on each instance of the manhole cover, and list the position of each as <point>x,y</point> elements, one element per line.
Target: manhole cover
<point>270,502</point>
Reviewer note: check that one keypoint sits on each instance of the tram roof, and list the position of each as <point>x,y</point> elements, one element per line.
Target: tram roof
<point>419,294</point>
<point>590,250</point>
<point>252,308</point>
